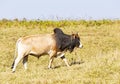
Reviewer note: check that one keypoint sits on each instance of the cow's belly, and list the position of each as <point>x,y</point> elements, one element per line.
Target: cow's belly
<point>39,51</point>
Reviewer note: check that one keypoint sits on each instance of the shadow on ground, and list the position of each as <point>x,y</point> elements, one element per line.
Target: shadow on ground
<point>72,62</point>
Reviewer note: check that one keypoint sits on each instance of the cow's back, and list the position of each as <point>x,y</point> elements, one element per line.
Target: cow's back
<point>38,44</point>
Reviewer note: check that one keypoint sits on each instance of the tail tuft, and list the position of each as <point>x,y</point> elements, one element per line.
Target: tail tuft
<point>13,65</point>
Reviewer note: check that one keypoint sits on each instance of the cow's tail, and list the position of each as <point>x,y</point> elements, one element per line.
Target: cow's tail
<point>16,50</point>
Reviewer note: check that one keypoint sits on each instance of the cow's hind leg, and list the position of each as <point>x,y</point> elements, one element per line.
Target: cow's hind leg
<point>25,59</point>
<point>17,60</point>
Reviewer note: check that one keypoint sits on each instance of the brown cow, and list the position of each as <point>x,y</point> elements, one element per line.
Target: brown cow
<point>52,44</point>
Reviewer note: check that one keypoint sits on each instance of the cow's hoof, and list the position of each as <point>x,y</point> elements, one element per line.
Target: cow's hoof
<point>50,68</point>
<point>13,71</point>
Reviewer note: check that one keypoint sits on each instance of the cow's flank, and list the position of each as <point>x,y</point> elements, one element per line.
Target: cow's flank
<point>52,44</point>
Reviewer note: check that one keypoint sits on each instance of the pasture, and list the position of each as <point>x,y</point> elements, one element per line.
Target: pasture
<point>98,62</point>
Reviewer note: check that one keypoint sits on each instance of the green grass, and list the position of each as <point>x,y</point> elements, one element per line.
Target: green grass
<point>98,62</point>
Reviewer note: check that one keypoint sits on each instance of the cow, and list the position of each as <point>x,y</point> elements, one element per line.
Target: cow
<point>55,45</point>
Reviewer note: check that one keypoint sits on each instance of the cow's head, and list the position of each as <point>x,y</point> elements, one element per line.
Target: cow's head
<point>76,40</point>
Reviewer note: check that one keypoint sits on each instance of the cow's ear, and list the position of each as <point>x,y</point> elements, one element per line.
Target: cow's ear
<point>77,34</point>
<point>73,36</point>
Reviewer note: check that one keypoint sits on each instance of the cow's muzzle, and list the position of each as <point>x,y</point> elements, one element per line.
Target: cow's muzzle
<point>80,46</point>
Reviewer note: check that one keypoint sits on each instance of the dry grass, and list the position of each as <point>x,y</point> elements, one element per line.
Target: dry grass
<point>98,62</point>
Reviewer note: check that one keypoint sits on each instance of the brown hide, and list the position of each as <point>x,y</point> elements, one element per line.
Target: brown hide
<point>37,44</point>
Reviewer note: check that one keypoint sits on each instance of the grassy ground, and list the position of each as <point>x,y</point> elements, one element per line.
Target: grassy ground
<point>98,62</point>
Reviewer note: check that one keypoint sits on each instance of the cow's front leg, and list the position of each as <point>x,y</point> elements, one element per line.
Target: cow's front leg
<point>52,56</point>
<point>50,62</point>
<point>62,56</point>
<point>65,60</point>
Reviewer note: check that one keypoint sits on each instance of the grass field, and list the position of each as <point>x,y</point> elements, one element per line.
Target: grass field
<point>98,62</point>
